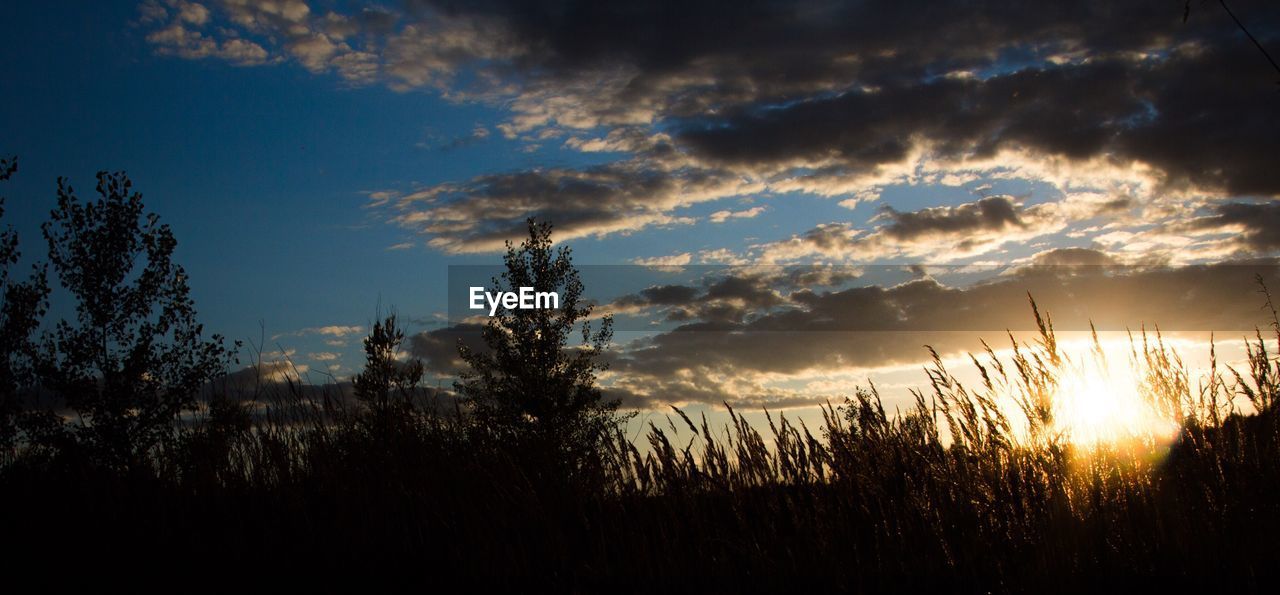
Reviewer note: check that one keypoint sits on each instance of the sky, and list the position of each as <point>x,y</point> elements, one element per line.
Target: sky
<point>817,188</point>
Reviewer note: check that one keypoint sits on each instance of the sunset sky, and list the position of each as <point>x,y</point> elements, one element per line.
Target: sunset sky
<point>319,160</point>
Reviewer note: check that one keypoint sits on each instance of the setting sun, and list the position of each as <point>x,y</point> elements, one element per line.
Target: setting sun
<point>1097,402</point>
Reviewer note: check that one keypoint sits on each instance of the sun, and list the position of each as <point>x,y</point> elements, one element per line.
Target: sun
<point>1097,403</point>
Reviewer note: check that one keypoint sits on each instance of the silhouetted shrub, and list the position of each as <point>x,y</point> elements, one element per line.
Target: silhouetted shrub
<point>387,385</point>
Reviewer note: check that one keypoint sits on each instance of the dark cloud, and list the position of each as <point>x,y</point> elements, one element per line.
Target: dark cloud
<point>438,349</point>
<point>1074,257</point>
<point>661,295</point>
<point>852,85</point>
<point>746,291</point>
<point>708,393</point>
<point>479,215</point>
<point>992,213</point>
<point>1259,222</point>
<point>936,233</point>
<point>762,49</point>
<point>1202,115</point>
<point>723,298</point>
<point>811,277</point>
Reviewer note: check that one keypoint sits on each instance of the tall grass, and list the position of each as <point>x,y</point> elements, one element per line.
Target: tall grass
<point>972,487</point>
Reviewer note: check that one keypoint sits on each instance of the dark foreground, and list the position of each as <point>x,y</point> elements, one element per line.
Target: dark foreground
<point>877,505</point>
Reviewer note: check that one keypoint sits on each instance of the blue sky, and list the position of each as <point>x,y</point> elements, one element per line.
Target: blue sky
<point>320,160</point>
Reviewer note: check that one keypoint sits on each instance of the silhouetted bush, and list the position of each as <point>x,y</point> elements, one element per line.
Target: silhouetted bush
<point>387,385</point>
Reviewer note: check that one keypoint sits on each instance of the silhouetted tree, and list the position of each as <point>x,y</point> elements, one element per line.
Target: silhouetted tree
<point>22,304</point>
<point>386,384</point>
<point>134,358</point>
<point>531,385</point>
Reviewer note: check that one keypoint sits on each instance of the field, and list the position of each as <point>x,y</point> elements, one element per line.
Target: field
<point>949,494</point>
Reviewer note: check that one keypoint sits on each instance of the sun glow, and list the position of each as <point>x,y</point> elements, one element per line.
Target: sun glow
<point>1096,403</point>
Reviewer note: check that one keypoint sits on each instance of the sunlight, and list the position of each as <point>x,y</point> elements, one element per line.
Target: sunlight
<point>1098,403</point>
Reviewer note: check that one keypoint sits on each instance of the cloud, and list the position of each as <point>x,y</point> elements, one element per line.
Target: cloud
<point>1200,231</point>
<point>336,331</point>
<point>854,85</point>
<point>666,295</point>
<point>1069,257</point>
<point>268,371</point>
<point>438,349</point>
<point>680,259</point>
<point>1135,111</point>
<point>177,40</point>
<point>722,216</point>
<point>481,214</point>
<point>192,13</point>
<point>997,213</point>
<point>252,33</point>
<point>1257,224</point>
<point>938,234</point>
<point>847,83</point>
<point>477,134</point>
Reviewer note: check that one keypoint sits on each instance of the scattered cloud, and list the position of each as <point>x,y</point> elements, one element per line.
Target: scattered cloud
<point>722,216</point>
<point>337,331</point>
<point>680,259</point>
